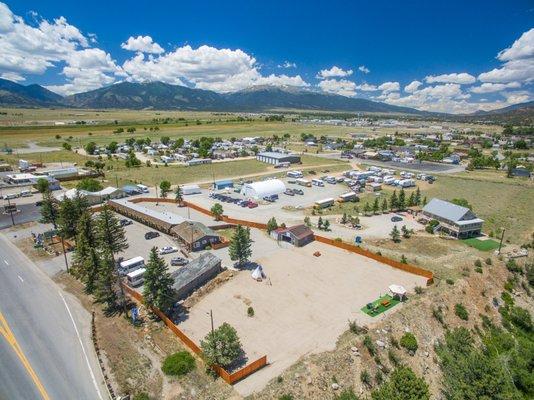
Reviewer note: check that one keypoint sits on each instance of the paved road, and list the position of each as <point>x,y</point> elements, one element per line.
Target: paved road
<point>45,346</point>
<point>26,213</point>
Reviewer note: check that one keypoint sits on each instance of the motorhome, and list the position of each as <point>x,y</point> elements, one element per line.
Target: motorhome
<point>324,203</point>
<point>294,174</point>
<point>303,182</point>
<point>127,266</point>
<point>347,197</point>
<point>406,183</point>
<point>136,278</point>
<point>318,182</point>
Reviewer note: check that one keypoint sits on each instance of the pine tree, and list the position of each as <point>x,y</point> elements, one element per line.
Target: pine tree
<point>320,223</point>
<point>384,205</point>
<point>417,197</point>
<point>376,206</point>
<point>424,201</point>
<point>105,291</point>
<point>178,194</point>
<point>240,248</point>
<point>401,203</point>
<point>110,232</point>
<point>86,258</point>
<point>393,201</point>
<point>49,210</point>
<point>344,218</point>
<point>272,225</point>
<point>411,200</point>
<point>366,209</point>
<point>157,286</point>
<point>395,234</point>
<point>326,225</point>
<point>307,221</point>
<point>406,233</point>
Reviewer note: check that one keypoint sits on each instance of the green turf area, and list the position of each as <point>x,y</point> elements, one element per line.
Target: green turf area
<point>378,307</point>
<point>482,245</point>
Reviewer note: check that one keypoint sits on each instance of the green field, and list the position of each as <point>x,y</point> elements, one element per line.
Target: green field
<point>482,245</point>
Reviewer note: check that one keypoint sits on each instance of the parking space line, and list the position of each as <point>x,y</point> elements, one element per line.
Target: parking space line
<point>22,280</point>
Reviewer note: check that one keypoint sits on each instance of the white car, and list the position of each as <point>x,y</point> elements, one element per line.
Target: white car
<point>167,250</point>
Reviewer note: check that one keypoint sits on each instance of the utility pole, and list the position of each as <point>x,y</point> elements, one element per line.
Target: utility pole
<point>500,243</point>
<point>10,212</point>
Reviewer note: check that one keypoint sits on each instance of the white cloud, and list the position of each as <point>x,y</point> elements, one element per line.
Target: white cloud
<point>287,64</point>
<point>518,62</point>
<point>412,87</point>
<point>365,87</point>
<point>364,69</point>
<point>144,44</point>
<point>517,97</point>
<point>461,78</point>
<point>388,87</point>
<point>494,87</point>
<point>338,86</point>
<point>334,72</point>
<point>522,48</point>
<point>221,70</point>
<point>12,76</point>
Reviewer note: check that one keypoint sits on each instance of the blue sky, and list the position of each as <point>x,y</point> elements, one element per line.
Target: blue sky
<point>226,46</point>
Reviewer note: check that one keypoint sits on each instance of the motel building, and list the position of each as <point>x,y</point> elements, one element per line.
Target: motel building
<point>454,220</point>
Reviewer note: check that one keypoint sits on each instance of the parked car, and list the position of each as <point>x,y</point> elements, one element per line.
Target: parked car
<point>298,191</point>
<point>272,198</point>
<point>179,261</point>
<point>10,196</point>
<point>289,192</point>
<point>125,222</point>
<point>251,204</point>
<point>167,250</point>
<point>151,235</point>
<point>396,218</point>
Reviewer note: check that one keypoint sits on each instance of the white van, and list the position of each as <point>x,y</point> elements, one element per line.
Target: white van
<point>143,188</point>
<point>136,277</point>
<point>127,266</point>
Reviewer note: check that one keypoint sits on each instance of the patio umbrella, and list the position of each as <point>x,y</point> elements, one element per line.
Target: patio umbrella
<point>397,290</point>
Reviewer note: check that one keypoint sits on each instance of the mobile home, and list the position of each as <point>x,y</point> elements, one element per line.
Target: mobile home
<point>303,182</point>
<point>349,196</point>
<point>324,203</point>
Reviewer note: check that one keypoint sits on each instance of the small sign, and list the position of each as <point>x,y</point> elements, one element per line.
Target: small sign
<point>135,314</point>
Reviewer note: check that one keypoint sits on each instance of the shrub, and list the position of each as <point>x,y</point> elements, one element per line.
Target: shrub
<point>449,281</point>
<point>438,314</point>
<point>141,396</point>
<point>478,269</point>
<point>178,364</point>
<point>379,377</point>
<point>368,343</point>
<point>286,397</point>
<point>393,358</point>
<point>250,312</point>
<point>403,259</point>
<point>347,394</point>
<point>507,298</point>
<point>418,289</point>
<point>461,312</point>
<point>279,379</point>
<point>409,342</point>
<point>355,328</point>
<point>513,267</point>
<point>488,261</point>
<point>365,377</point>
<point>394,342</point>
<point>403,384</point>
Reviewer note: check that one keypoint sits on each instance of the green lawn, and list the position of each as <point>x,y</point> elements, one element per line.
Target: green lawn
<point>378,307</point>
<point>482,245</point>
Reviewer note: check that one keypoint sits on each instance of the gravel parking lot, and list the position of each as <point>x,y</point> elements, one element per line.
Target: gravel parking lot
<point>302,306</point>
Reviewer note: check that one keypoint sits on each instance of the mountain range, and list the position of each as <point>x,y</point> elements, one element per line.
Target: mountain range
<point>163,96</point>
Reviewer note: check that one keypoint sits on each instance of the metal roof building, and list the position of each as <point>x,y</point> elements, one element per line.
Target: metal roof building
<point>195,235</point>
<point>272,157</point>
<point>456,220</point>
<point>261,189</point>
<point>195,274</point>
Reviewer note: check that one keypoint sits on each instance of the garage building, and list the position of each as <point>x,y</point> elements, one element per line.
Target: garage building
<point>298,235</point>
<point>195,235</point>
<point>259,190</point>
<point>272,157</point>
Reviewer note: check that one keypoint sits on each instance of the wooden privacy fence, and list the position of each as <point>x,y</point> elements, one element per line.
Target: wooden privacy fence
<point>385,260</point>
<point>230,378</point>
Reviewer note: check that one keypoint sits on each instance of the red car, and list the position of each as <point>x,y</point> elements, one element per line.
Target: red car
<point>251,204</point>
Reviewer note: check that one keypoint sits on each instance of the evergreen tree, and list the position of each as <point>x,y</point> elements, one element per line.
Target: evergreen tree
<point>326,225</point>
<point>240,248</point>
<point>406,233</point>
<point>411,200</point>
<point>395,234</point>
<point>401,203</point>
<point>393,201</point>
<point>106,286</point>
<point>384,205</point>
<point>110,232</point>
<point>320,223</point>
<point>366,209</point>
<point>49,210</point>
<point>164,187</point>
<point>376,206</point>
<point>86,258</point>
<point>424,202</point>
<point>178,194</point>
<point>417,197</point>
<point>157,287</point>
<point>272,225</point>
<point>344,218</point>
<point>307,221</point>
<point>217,211</point>
<point>402,385</point>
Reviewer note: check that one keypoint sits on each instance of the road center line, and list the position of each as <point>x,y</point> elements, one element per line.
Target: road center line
<point>22,280</point>
<point>5,261</point>
<point>82,346</point>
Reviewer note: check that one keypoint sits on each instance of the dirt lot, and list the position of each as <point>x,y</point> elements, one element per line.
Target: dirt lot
<point>301,308</point>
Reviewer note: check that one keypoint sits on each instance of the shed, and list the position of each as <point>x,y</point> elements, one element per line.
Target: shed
<point>195,274</point>
<point>190,189</point>
<point>195,235</point>
<point>223,184</point>
<point>298,235</point>
<point>259,190</point>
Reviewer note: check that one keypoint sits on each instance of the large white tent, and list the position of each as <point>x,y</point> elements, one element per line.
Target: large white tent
<point>258,190</point>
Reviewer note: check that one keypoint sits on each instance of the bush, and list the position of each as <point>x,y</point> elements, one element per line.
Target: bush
<point>418,289</point>
<point>250,312</point>
<point>513,267</point>
<point>368,343</point>
<point>178,364</point>
<point>438,314</point>
<point>449,281</point>
<point>393,358</point>
<point>355,328</point>
<point>286,397</point>
<point>403,384</point>
<point>461,312</point>
<point>347,394</point>
<point>478,269</point>
<point>141,396</point>
<point>488,261</point>
<point>365,377</point>
<point>478,263</point>
<point>409,342</point>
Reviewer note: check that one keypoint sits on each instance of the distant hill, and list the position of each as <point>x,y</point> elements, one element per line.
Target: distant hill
<point>163,96</point>
<point>516,114</point>
<point>514,108</point>
<point>15,94</point>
